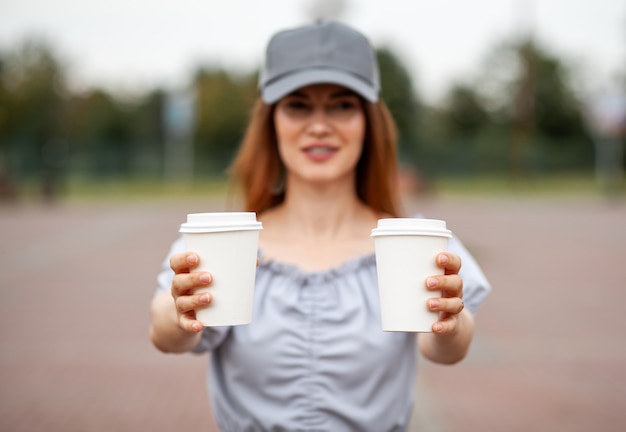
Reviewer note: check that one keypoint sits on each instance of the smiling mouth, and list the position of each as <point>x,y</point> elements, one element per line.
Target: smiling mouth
<point>320,150</point>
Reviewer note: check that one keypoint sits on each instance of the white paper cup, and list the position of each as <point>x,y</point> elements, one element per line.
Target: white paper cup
<point>406,251</point>
<point>227,245</point>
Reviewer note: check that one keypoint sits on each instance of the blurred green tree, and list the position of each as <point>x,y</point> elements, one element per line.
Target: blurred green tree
<point>148,134</point>
<point>223,105</point>
<point>400,95</point>
<point>32,93</point>
<point>99,129</point>
<point>464,113</point>
<point>530,92</point>
<point>522,112</point>
<point>112,136</point>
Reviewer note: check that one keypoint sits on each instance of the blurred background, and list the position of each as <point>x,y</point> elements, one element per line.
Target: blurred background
<point>160,92</point>
<point>117,118</point>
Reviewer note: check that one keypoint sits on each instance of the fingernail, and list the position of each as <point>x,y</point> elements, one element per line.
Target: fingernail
<point>431,282</point>
<point>205,298</point>
<point>437,327</point>
<point>434,303</point>
<point>205,278</point>
<point>443,259</point>
<point>192,259</point>
<point>196,326</point>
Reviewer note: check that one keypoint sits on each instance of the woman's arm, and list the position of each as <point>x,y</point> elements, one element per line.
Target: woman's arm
<point>449,348</point>
<point>165,332</point>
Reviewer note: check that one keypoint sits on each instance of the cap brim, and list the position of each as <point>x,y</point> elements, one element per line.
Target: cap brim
<point>284,85</point>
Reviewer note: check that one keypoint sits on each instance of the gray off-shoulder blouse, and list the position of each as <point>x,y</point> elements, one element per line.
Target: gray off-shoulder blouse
<point>314,357</point>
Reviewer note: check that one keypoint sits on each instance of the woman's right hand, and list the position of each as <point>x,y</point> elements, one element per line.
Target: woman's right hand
<point>184,287</point>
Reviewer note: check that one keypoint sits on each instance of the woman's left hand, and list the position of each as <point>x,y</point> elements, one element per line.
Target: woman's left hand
<point>450,304</point>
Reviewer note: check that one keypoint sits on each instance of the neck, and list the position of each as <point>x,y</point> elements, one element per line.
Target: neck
<point>317,227</point>
<point>320,211</point>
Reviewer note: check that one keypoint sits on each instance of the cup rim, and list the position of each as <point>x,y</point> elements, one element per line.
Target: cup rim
<point>220,222</point>
<point>411,226</point>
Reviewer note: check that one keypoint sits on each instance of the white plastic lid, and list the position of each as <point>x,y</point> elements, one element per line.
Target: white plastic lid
<point>224,221</point>
<point>411,226</point>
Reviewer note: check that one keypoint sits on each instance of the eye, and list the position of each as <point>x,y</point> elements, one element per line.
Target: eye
<point>345,105</point>
<point>296,105</point>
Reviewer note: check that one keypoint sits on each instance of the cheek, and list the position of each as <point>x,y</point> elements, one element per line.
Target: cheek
<point>280,130</point>
<point>285,129</point>
<point>355,131</point>
<point>285,135</point>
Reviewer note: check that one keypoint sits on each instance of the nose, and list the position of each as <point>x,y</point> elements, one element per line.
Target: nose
<point>319,123</point>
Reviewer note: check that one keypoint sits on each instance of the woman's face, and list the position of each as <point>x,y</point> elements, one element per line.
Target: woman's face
<point>320,130</point>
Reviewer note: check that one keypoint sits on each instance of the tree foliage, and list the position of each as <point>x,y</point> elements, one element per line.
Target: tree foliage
<point>399,94</point>
<point>222,109</point>
<point>32,91</point>
<point>521,113</point>
<point>528,87</point>
<point>464,113</point>
<point>521,104</point>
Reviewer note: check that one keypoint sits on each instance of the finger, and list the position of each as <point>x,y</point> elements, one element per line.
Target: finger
<point>450,262</point>
<point>449,285</point>
<point>184,262</point>
<point>447,325</point>
<point>189,303</point>
<point>185,283</point>
<point>188,322</point>
<point>450,305</point>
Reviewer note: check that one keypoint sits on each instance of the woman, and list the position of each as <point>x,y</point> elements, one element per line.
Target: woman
<point>318,165</point>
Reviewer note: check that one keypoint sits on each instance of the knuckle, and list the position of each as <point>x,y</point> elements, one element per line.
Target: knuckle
<point>451,305</point>
<point>451,326</point>
<point>182,323</point>
<point>455,282</point>
<point>186,321</point>
<point>182,305</point>
<point>187,325</point>
<point>177,286</point>
<point>455,260</point>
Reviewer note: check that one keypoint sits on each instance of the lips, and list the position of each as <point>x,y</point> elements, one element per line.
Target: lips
<point>320,153</point>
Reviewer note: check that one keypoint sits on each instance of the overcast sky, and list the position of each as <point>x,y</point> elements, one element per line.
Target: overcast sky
<point>136,44</point>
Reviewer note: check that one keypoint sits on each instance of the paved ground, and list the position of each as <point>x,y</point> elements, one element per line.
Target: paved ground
<point>76,280</point>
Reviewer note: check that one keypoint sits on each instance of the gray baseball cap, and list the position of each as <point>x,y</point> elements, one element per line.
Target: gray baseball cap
<point>325,52</point>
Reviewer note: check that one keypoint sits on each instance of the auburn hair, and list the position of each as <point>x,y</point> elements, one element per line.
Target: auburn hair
<point>258,170</point>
